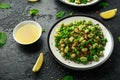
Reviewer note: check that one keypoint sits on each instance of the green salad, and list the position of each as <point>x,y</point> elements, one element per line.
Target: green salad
<point>80,1</point>
<point>80,41</point>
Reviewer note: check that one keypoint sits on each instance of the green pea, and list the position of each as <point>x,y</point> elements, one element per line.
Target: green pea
<point>87,30</point>
<point>95,45</point>
<point>92,28</point>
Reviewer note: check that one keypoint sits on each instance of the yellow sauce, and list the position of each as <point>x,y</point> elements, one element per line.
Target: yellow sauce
<point>27,34</point>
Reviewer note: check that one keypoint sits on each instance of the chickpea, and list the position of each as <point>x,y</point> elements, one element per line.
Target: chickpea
<point>95,57</point>
<point>84,50</point>
<point>62,53</point>
<point>81,39</point>
<point>73,55</point>
<point>74,44</point>
<point>66,49</point>
<point>61,49</point>
<point>77,1</point>
<point>76,30</point>
<point>61,41</point>
<point>80,27</point>
<point>62,45</point>
<point>71,39</point>
<point>101,53</point>
<point>83,60</point>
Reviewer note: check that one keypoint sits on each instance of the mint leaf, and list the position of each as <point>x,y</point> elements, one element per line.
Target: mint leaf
<point>3,38</point>
<point>104,4</point>
<point>60,14</point>
<point>5,6</point>
<point>33,12</point>
<point>71,13</point>
<point>119,38</point>
<point>43,30</point>
<point>67,78</point>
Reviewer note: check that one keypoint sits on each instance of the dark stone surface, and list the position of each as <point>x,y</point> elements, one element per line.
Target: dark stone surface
<point>16,61</point>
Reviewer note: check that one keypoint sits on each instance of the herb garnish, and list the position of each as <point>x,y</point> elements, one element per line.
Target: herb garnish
<point>5,6</point>
<point>71,13</point>
<point>119,38</point>
<point>60,14</point>
<point>3,38</point>
<point>43,30</point>
<point>67,77</point>
<point>33,12</point>
<point>103,4</point>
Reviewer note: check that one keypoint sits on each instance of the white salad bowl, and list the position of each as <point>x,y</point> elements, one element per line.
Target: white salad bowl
<point>79,66</point>
<point>80,5</point>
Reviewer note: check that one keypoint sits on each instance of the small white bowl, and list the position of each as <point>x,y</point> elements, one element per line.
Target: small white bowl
<point>23,23</point>
<point>70,64</point>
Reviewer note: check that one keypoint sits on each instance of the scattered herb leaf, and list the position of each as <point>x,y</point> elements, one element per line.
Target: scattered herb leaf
<point>5,6</point>
<point>33,12</point>
<point>43,30</point>
<point>71,13</point>
<point>119,38</point>
<point>60,14</point>
<point>3,38</point>
<point>67,78</point>
<point>103,4</point>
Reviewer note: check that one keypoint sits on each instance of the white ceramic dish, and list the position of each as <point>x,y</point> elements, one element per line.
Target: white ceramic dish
<point>23,23</point>
<point>80,5</point>
<point>70,64</point>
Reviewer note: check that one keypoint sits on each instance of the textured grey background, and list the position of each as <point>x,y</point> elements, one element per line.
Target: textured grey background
<point>16,61</point>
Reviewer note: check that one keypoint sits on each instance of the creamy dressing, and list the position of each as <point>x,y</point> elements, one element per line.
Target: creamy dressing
<point>28,33</point>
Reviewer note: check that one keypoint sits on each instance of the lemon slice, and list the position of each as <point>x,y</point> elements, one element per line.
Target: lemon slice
<point>32,0</point>
<point>38,63</point>
<point>108,14</point>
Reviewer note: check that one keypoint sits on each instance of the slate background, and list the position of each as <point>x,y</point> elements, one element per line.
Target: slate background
<point>16,61</point>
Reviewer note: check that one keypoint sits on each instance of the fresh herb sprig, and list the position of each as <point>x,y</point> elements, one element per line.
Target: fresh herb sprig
<point>119,38</point>
<point>43,30</point>
<point>68,77</point>
<point>33,12</point>
<point>5,6</point>
<point>104,4</point>
<point>60,14</point>
<point>3,38</point>
<point>71,13</point>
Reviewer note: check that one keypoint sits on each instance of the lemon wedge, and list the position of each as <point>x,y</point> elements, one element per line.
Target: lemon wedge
<point>38,63</point>
<point>32,0</point>
<point>108,14</point>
